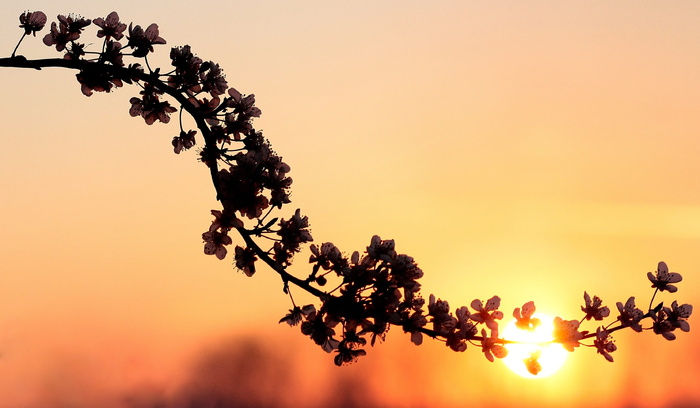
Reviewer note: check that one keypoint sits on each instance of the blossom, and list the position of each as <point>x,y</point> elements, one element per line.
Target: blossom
<point>113,53</point>
<point>347,353</point>
<point>59,36</point>
<point>466,329</point>
<point>280,254</point>
<point>151,110</point>
<point>213,79</point>
<point>32,21</point>
<point>566,332</point>
<point>487,314</point>
<point>224,221</point>
<point>325,256</point>
<point>245,260</point>
<point>604,344</point>
<point>662,279</point>
<point>662,325</point>
<point>294,231</point>
<point>378,330</point>
<point>187,68</point>
<point>594,308</point>
<point>406,271</point>
<point>96,80</point>
<point>184,141</point>
<point>74,51</point>
<point>455,342</point>
<point>143,41</point>
<point>150,107</point>
<point>439,309</point>
<point>490,347</point>
<point>413,325</point>
<point>381,250</point>
<point>678,315</point>
<point>75,23</point>
<point>630,316</point>
<point>295,315</point>
<point>215,243</point>
<point>110,26</point>
<point>524,320</point>
<point>532,362</point>
<point>68,29</point>
<point>243,105</point>
<point>319,331</point>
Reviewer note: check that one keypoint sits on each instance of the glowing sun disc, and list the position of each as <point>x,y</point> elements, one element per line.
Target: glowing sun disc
<point>530,351</point>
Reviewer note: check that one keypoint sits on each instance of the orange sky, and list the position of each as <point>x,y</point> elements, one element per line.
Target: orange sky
<point>532,151</point>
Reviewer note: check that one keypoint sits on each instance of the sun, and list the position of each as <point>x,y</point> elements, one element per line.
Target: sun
<point>532,357</point>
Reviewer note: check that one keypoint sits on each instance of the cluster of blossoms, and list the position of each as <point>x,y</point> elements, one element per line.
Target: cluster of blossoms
<point>379,289</point>
<point>664,320</point>
<point>373,290</point>
<point>248,175</point>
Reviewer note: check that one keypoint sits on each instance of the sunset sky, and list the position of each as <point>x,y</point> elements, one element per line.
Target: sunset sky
<point>531,150</point>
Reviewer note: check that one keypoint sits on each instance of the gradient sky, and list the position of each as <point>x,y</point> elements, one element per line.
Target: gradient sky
<point>532,150</point>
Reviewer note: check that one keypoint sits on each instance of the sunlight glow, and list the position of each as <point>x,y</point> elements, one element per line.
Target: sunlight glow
<point>531,358</point>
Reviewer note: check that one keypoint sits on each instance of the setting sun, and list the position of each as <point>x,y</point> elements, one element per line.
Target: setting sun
<point>533,356</point>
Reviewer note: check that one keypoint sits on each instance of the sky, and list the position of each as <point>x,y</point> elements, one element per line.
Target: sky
<point>531,150</point>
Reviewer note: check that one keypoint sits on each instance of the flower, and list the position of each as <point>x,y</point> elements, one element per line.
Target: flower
<point>439,309</point>
<point>113,53</point>
<point>110,26</point>
<point>187,69</point>
<point>74,51</point>
<point>593,308</point>
<point>381,249</point>
<point>75,23</point>
<point>296,315</point>
<point>32,21</point>
<point>325,256</point>
<point>243,105</point>
<point>663,278</point>
<point>677,315</point>
<point>96,80</point>
<point>59,36</point>
<point>150,107</point>
<point>490,347</point>
<point>532,362</point>
<point>487,314</point>
<point>215,243</point>
<point>184,141</point>
<point>466,329</point>
<point>294,232</point>
<point>319,331</point>
<point>67,30</point>
<point>378,330</point>
<point>224,221</point>
<point>143,41</point>
<point>347,353</point>
<point>405,270</point>
<point>630,316</point>
<point>245,260</point>
<point>566,332</point>
<point>413,325</point>
<point>455,342</point>
<point>524,320</point>
<point>604,343</point>
<point>213,79</point>
<point>662,325</point>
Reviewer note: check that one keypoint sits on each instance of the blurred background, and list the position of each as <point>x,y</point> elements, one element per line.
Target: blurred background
<point>527,150</point>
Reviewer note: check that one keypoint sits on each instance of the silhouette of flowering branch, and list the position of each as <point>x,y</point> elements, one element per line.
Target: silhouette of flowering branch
<point>371,291</point>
